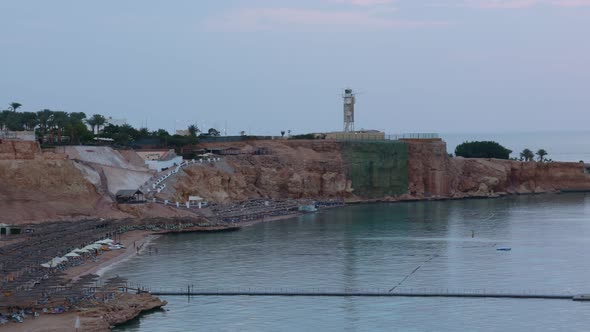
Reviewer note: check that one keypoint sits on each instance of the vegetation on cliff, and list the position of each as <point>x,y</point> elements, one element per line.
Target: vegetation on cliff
<point>59,128</point>
<point>482,149</point>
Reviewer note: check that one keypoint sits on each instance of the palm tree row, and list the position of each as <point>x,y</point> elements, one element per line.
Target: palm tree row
<point>51,125</point>
<point>528,155</point>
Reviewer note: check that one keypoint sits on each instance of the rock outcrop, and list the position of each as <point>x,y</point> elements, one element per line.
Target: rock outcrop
<point>480,177</point>
<point>19,150</point>
<point>125,308</point>
<point>291,169</point>
<point>321,169</point>
<point>47,189</point>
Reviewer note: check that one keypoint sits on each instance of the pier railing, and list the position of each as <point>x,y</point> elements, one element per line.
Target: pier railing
<point>190,290</point>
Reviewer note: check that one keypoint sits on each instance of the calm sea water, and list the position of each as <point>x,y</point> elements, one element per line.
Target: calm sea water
<point>562,146</point>
<point>376,247</point>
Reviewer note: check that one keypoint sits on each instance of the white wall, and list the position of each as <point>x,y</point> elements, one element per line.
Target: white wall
<point>158,165</point>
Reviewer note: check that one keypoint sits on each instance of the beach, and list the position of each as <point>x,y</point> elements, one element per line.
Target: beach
<point>128,306</point>
<point>133,241</point>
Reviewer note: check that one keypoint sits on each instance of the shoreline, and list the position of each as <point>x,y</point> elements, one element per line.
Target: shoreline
<point>109,259</point>
<point>136,241</point>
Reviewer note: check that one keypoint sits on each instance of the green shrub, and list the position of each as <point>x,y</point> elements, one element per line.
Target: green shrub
<point>482,149</point>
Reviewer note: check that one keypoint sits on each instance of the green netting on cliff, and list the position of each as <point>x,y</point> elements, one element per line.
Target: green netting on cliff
<point>377,169</point>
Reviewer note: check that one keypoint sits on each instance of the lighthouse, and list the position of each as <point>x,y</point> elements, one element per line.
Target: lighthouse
<point>349,100</point>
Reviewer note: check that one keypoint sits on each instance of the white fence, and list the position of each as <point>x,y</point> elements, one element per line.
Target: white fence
<point>159,185</point>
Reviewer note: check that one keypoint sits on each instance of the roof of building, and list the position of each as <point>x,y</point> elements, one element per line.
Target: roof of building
<point>128,193</point>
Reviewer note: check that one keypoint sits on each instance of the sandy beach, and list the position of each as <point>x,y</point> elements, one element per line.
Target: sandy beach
<point>132,241</point>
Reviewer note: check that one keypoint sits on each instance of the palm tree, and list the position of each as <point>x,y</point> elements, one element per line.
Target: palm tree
<point>527,155</point>
<point>14,106</point>
<point>100,121</point>
<point>30,120</point>
<point>95,122</point>
<point>44,117</point>
<point>60,121</point>
<point>75,127</point>
<point>92,123</point>
<point>3,119</point>
<point>541,153</point>
<point>193,130</point>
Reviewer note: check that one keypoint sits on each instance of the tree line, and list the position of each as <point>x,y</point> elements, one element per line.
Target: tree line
<point>491,149</point>
<point>60,127</point>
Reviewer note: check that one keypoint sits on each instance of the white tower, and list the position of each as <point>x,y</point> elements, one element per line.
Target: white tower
<point>349,100</point>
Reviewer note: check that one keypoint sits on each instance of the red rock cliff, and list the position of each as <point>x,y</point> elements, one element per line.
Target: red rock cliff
<point>433,173</point>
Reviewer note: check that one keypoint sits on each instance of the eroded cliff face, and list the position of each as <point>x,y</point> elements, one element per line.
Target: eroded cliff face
<point>289,169</point>
<point>325,169</point>
<point>37,186</point>
<point>429,168</point>
<point>43,190</point>
<point>482,177</point>
<point>433,174</point>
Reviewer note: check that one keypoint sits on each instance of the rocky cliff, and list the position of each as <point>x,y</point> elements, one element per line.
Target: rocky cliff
<point>286,169</point>
<point>43,190</point>
<point>368,171</point>
<point>38,186</point>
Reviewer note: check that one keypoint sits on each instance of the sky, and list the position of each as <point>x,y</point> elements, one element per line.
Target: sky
<point>262,66</point>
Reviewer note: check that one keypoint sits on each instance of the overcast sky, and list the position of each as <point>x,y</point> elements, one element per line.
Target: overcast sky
<point>266,65</point>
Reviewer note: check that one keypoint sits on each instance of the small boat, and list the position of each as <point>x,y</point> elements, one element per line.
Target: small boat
<point>504,249</point>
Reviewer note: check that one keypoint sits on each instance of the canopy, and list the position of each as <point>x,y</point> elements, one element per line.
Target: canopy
<point>72,254</point>
<point>46,265</point>
<point>105,241</point>
<point>55,261</point>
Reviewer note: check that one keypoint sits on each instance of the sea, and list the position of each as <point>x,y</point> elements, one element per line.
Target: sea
<point>442,246</point>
